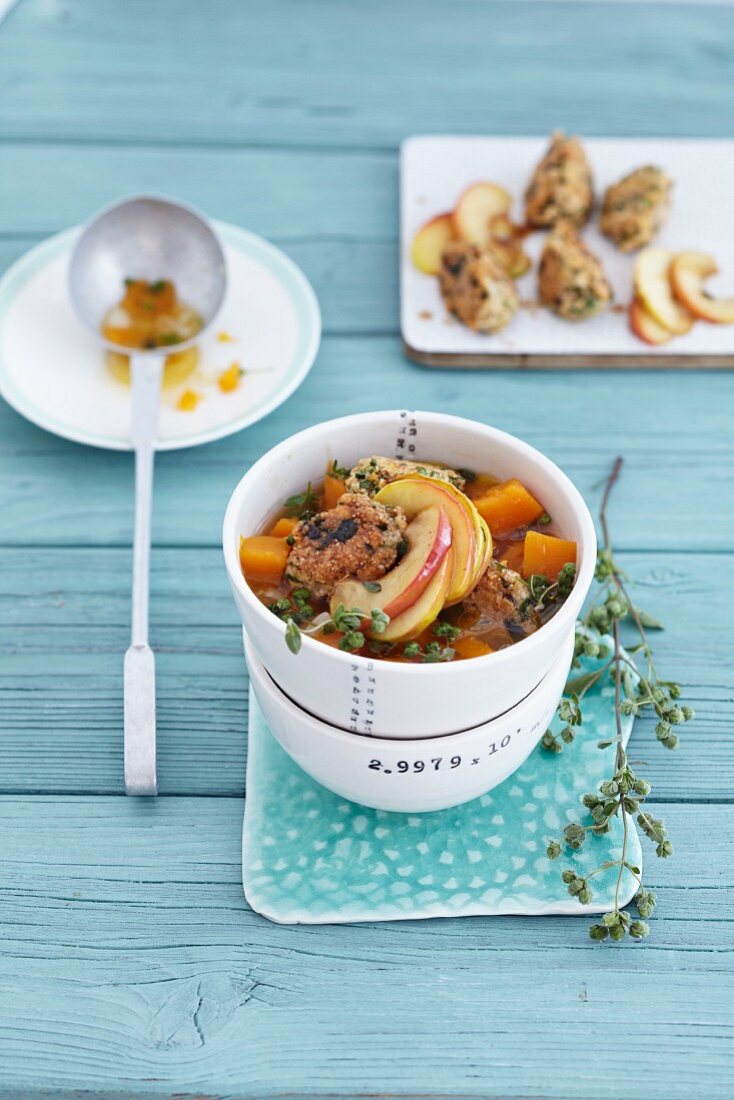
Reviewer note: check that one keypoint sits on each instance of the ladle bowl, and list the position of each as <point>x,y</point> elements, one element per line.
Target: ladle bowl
<point>147,238</point>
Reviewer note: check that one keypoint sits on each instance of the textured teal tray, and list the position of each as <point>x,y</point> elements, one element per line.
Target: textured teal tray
<point>311,857</point>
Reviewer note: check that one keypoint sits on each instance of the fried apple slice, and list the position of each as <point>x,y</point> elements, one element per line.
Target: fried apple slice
<point>688,272</point>
<point>429,243</point>
<point>476,208</point>
<point>644,325</point>
<point>505,244</point>
<point>511,256</point>
<point>501,228</point>
<point>652,286</point>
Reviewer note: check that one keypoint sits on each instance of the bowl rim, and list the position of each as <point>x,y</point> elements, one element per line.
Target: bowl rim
<point>260,676</point>
<point>569,610</point>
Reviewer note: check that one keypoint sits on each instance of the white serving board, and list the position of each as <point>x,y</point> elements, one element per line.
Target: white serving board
<point>435,169</point>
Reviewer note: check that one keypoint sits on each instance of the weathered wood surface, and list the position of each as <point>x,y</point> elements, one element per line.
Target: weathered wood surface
<point>66,613</point>
<point>674,431</point>
<point>131,955</point>
<point>307,75</point>
<point>130,964</point>
<point>355,279</point>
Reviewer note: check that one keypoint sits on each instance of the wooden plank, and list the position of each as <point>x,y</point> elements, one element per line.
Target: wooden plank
<point>284,193</point>
<point>674,431</point>
<point>65,615</point>
<point>192,875</point>
<point>337,76</point>
<point>527,361</point>
<point>133,961</point>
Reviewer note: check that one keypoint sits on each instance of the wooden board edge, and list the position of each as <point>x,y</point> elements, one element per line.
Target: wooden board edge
<point>537,362</point>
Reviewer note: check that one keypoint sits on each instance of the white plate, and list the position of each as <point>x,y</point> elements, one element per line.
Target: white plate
<point>434,172</point>
<point>53,372</point>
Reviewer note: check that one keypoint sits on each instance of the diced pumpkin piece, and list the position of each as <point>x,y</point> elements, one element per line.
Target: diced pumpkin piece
<point>546,554</point>
<point>284,527</point>
<point>188,401</point>
<point>471,647</point>
<point>263,557</point>
<point>478,486</point>
<point>333,489</point>
<point>508,506</point>
<point>512,554</point>
<point>229,379</point>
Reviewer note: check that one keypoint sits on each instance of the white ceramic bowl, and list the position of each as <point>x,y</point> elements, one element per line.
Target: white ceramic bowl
<point>410,776</point>
<point>387,698</point>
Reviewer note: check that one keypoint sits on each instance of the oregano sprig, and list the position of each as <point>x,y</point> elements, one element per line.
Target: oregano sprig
<point>623,794</point>
<point>348,621</point>
<point>302,505</point>
<point>544,593</point>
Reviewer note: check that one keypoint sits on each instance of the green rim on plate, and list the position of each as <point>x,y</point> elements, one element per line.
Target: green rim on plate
<point>291,278</point>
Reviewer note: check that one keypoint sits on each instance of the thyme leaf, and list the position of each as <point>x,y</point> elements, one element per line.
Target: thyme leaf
<point>302,504</point>
<point>292,636</point>
<point>348,621</point>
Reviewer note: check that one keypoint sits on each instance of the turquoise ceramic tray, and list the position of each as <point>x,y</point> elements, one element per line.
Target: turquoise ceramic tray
<point>311,857</point>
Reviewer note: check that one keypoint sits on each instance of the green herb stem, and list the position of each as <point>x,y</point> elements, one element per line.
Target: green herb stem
<point>624,792</point>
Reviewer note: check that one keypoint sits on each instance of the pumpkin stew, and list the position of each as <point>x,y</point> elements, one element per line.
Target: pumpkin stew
<point>410,561</point>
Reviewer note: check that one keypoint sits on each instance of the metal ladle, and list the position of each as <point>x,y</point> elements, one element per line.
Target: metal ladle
<point>144,238</point>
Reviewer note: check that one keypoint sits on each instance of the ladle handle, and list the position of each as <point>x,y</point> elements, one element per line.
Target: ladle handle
<point>139,672</point>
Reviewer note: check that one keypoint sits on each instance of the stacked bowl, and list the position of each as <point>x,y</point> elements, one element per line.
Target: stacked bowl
<point>392,735</point>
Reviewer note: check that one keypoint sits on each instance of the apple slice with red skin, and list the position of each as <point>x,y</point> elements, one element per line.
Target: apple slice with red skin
<point>652,287</point>
<point>644,325</point>
<point>688,272</point>
<point>416,493</point>
<point>483,550</point>
<point>429,540</point>
<point>425,609</point>
<point>476,208</point>
<point>430,241</point>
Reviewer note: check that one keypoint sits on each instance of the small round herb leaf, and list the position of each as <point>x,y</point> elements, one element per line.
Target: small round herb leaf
<point>379,620</point>
<point>292,636</point>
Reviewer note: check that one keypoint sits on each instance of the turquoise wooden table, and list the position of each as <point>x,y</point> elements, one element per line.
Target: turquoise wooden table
<point>130,963</point>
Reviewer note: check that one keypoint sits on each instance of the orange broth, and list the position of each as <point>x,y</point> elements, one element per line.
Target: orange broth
<point>150,315</point>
